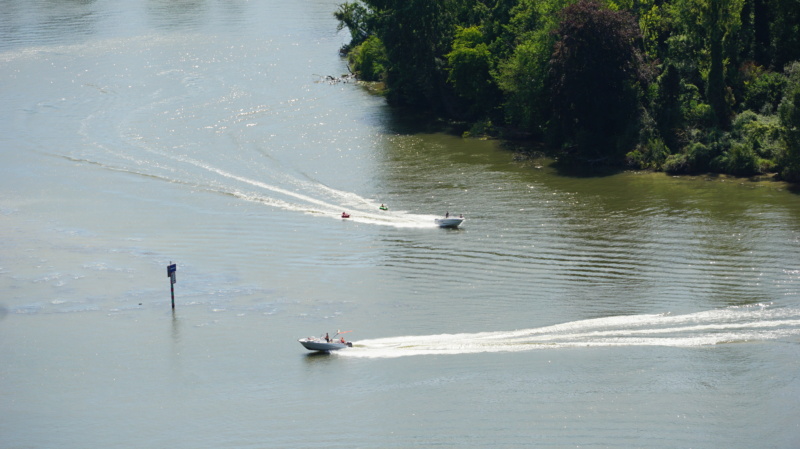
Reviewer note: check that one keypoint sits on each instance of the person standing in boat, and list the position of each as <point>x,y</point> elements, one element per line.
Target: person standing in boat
<point>327,338</point>
<point>447,214</point>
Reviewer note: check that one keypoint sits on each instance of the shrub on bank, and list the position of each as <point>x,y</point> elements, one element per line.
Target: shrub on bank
<point>368,60</point>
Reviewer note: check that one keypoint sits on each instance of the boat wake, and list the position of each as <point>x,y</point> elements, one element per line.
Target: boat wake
<point>282,192</point>
<point>731,325</point>
<point>315,198</point>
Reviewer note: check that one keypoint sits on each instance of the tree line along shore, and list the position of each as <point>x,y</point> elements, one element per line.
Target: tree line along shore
<point>683,86</point>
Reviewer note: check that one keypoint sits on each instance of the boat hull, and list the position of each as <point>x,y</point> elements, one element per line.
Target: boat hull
<point>448,222</point>
<point>314,344</point>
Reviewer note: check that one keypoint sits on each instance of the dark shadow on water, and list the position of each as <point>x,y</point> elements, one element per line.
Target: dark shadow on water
<point>585,170</point>
<point>452,229</point>
<point>407,120</point>
<point>770,180</point>
<point>536,153</point>
<point>317,357</point>
<point>413,121</point>
<point>176,328</point>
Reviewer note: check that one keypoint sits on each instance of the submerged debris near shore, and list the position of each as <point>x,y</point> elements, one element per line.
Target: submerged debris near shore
<point>330,79</point>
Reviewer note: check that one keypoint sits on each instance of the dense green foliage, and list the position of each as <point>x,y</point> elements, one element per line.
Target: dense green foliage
<point>595,76</point>
<point>677,85</point>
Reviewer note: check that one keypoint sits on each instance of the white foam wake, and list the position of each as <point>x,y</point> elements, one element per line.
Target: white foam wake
<point>285,192</point>
<point>731,325</point>
<point>312,198</point>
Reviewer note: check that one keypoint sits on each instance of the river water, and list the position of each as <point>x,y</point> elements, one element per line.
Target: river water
<point>632,310</point>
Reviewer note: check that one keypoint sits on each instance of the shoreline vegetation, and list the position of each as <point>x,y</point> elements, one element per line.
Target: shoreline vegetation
<point>680,86</point>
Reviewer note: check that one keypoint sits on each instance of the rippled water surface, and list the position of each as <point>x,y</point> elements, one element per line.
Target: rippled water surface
<point>631,310</point>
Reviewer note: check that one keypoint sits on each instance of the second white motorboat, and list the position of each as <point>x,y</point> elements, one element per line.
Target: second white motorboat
<point>449,222</point>
<point>326,344</point>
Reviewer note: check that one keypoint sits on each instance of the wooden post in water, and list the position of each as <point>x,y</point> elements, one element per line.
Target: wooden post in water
<point>171,269</point>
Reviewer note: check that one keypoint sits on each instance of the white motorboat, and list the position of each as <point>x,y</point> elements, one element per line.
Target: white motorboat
<point>449,222</point>
<point>325,344</point>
